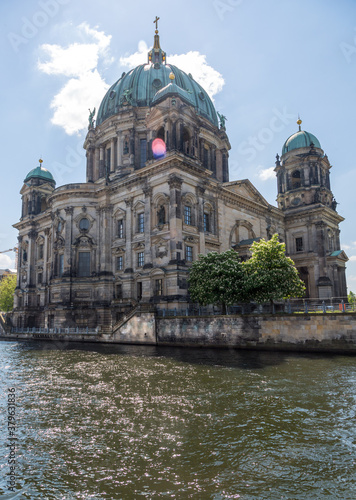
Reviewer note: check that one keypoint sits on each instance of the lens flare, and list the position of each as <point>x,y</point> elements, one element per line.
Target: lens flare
<point>158,149</point>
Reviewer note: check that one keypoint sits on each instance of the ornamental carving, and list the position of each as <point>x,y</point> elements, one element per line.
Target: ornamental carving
<point>32,234</point>
<point>161,249</point>
<point>147,191</point>
<point>175,182</point>
<point>69,210</point>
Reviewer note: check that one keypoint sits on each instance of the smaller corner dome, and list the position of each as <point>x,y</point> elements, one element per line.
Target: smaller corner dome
<point>40,173</point>
<point>300,139</point>
<point>172,89</point>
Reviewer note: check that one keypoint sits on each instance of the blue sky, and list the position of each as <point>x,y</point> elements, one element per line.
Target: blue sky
<point>262,61</point>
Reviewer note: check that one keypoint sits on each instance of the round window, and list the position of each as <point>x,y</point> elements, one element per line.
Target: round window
<point>84,224</point>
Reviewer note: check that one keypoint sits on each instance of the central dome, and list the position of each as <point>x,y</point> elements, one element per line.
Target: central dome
<point>139,86</point>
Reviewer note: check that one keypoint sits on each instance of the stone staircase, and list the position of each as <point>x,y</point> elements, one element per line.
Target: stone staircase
<point>136,309</point>
<point>2,324</point>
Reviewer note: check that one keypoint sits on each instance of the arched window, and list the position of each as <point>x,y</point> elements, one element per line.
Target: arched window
<point>160,134</point>
<point>186,141</point>
<point>161,215</point>
<point>160,210</point>
<point>296,179</point>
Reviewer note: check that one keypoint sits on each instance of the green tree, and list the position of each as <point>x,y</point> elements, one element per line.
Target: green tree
<point>217,278</point>
<point>7,289</point>
<point>352,299</point>
<point>270,274</point>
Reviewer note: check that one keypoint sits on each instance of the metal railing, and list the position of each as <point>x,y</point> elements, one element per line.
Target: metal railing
<point>292,306</point>
<point>56,331</point>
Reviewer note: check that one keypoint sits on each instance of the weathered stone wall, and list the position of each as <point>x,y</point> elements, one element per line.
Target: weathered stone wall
<point>139,329</point>
<point>299,332</point>
<point>330,332</point>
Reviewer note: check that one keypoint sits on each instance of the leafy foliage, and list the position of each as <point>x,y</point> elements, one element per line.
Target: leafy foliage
<point>271,274</point>
<point>352,299</point>
<point>7,289</point>
<point>217,278</point>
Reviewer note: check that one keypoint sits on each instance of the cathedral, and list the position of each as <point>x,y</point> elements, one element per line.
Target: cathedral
<point>157,194</point>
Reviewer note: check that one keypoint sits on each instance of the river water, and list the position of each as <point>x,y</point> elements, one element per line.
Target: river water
<point>127,422</point>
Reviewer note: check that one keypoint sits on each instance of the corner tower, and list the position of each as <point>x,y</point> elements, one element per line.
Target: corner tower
<point>311,220</point>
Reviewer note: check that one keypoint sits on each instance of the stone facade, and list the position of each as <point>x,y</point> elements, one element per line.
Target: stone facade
<point>90,252</point>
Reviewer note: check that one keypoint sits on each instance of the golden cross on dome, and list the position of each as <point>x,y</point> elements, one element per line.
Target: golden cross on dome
<point>156,21</point>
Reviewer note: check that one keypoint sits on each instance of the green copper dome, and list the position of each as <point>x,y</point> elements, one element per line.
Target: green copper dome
<point>40,173</point>
<point>300,139</point>
<point>141,87</point>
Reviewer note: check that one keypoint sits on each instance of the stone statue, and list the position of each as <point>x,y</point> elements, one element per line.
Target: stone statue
<point>126,97</point>
<point>334,204</point>
<point>91,119</point>
<point>161,215</point>
<point>222,119</point>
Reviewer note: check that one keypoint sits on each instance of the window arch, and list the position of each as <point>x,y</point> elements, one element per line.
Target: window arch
<point>139,217</point>
<point>160,213</point>
<point>186,141</point>
<point>160,134</point>
<point>119,221</point>
<point>84,256</point>
<point>296,179</point>
<point>208,218</point>
<point>189,209</point>
<point>241,231</point>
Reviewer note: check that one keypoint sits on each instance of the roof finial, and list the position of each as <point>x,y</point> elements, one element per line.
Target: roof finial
<point>156,21</point>
<point>40,162</point>
<point>299,121</point>
<point>156,56</point>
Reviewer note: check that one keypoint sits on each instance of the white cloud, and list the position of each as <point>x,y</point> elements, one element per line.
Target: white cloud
<point>351,281</point>
<point>85,87</point>
<point>352,258</point>
<point>6,262</point>
<point>71,103</point>
<point>140,57</point>
<point>265,174</point>
<point>192,62</point>
<point>195,63</point>
<point>75,60</point>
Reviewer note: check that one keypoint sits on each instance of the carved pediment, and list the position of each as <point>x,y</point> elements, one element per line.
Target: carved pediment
<point>246,189</point>
<point>139,246</point>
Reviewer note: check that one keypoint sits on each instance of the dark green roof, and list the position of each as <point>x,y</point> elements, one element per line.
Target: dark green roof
<point>39,173</point>
<point>247,242</point>
<point>142,86</point>
<point>300,139</point>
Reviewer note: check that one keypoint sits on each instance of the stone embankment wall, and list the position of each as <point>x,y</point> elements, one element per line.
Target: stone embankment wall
<point>319,332</point>
<point>299,332</point>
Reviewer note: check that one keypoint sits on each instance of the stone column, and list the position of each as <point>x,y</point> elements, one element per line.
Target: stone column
<point>90,164</point>
<point>119,149</point>
<point>45,256</point>
<point>128,250</point>
<point>200,215</point>
<point>132,147</point>
<point>96,164</point>
<point>105,237</point>
<point>175,215</point>
<point>147,190</point>
<point>67,271</point>
<point>31,257</point>
<point>112,155</point>
<point>19,260</point>
<point>101,162</point>
<point>309,242</point>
